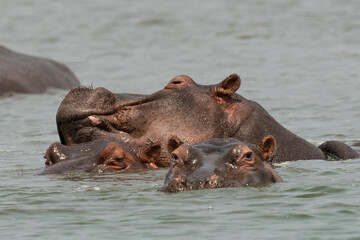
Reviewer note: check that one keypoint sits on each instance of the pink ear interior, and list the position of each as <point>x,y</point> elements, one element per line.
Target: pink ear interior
<point>150,153</point>
<point>267,146</point>
<point>228,86</point>
<point>173,143</point>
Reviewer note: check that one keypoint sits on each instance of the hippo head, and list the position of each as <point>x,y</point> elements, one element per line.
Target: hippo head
<point>219,163</point>
<point>100,155</point>
<point>183,108</point>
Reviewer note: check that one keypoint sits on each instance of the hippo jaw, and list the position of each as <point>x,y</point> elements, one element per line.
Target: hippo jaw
<point>176,182</point>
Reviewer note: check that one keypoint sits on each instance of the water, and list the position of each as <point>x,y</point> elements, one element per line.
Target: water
<point>299,59</point>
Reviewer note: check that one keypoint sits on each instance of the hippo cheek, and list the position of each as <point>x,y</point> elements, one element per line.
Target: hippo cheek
<point>260,173</point>
<point>133,164</point>
<point>260,177</point>
<point>103,168</point>
<point>248,176</point>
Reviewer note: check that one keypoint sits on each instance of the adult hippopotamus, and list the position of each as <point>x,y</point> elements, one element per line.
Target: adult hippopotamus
<point>100,155</point>
<point>28,74</point>
<point>219,163</point>
<point>191,111</point>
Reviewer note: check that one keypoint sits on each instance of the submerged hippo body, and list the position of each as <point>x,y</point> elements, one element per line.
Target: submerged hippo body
<point>193,112</point>
<point>27,74</point>
<point>100,155</point>
<point>219,163</point>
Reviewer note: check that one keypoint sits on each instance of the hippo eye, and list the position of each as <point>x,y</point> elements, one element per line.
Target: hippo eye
<point>116,163</point>
<point>248,155</point>
<point>120,162</point>
<point>119,159</point>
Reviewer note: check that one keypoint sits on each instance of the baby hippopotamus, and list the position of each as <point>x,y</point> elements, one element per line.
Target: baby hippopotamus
<point>100,155</point>
<point>219,163</point>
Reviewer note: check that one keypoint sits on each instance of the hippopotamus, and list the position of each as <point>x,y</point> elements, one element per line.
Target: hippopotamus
<point>98,156</point>
<point>219,163</point>
<point>193,112</point>
<point>29,74</point>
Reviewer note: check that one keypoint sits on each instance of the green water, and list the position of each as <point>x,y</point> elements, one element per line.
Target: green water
<point>298,59</point>
<point>318,200</point>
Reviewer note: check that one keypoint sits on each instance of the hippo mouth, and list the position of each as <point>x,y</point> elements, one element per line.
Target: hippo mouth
<point>113,125</point>
<point>176,182</point>
<point>88,129</point>
<point>87,114</point>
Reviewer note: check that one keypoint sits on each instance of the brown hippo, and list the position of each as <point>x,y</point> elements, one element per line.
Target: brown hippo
<point>100,155</point>
<point>28,74</point>
<point>193,112</point>
<point>219,163</point>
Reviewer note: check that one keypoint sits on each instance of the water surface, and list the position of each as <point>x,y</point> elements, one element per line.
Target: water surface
<point>298,59</point>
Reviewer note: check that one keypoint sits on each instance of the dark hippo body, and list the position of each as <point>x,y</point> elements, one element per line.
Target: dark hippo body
<point>193,112</point>
<point>100,155</point>
<point>218,163</point>
<point>28,74</point>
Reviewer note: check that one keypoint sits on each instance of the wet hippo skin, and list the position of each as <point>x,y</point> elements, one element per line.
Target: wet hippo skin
<point>219,163</point>
<point>98,156</point>
<point>191,111</point>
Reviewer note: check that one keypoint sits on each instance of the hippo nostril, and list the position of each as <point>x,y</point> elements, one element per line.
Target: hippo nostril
<point>174,156</point>
<point>177,161</point>
<point>48,162</point>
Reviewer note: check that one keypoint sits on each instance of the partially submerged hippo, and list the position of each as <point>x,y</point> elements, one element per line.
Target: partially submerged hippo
<point>193,112</point>
<point>219,163</point>
<point>28,74</point>
<point>100,155</point>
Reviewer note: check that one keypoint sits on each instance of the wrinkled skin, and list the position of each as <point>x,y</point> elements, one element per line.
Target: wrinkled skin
<point>98,156</point>
<point>28,74</point>
<point>193,112</point>
<point>219,163</point>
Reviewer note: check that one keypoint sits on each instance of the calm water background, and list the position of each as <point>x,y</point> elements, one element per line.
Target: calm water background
<point>299,59</point>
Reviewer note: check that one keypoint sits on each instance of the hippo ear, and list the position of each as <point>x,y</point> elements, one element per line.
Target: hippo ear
<point>228,86</point>
<point>173,143</point>
<point>267,147</point>
<point>150,153</point>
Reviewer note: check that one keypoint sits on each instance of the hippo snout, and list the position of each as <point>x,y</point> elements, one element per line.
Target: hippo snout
<point>54,154</point>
